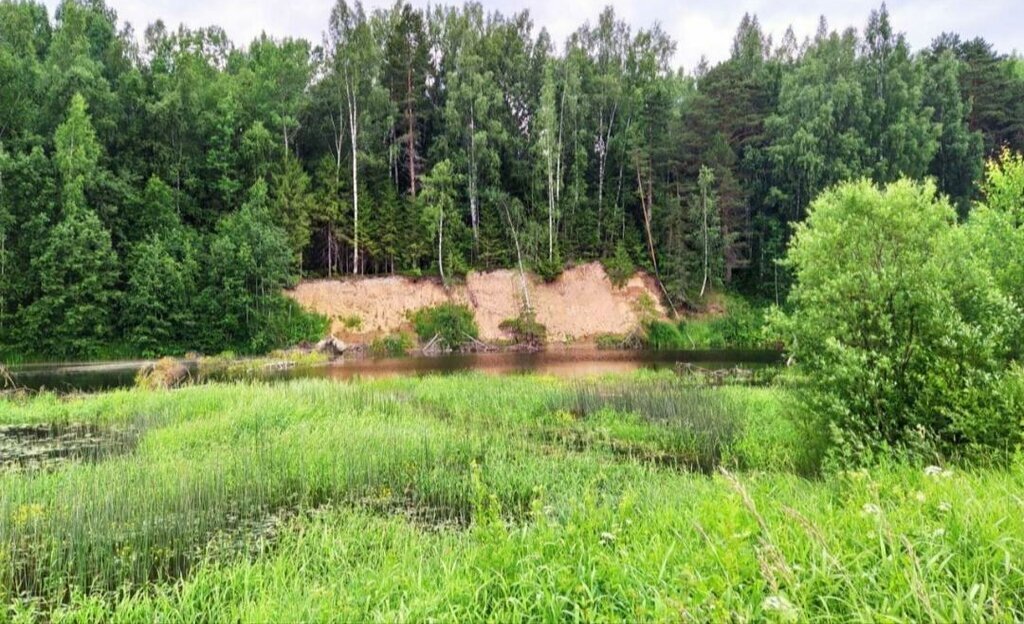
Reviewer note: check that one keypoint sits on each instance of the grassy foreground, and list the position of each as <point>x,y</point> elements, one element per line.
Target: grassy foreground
<point>478,498</point>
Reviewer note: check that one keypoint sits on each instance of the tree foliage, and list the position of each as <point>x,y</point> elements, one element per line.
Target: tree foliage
<point>900,329</point>
<point>534,151</point>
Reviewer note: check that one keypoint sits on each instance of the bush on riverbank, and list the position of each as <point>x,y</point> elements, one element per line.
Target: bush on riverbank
<point>741,326</point>
<point>393,345</point>
<point>450,324</point>
<point>525,330</point>
<point>900,329</point>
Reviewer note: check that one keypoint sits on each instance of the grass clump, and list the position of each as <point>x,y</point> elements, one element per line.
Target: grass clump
<point>742,326</point>
<point>449,324</point>
<point>165,373</point>
<point>351,322</point>
<point>228,366</point>
<point>632,340</point>
<point>393,345</point>
<point>661,421</point>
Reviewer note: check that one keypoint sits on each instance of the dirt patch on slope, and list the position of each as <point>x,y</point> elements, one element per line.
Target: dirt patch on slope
<point>580,304</point>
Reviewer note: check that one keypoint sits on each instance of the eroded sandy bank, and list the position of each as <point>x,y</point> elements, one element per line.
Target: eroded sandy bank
<point>579,305</point>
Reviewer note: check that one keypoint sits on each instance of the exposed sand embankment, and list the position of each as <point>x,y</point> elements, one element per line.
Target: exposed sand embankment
<point>580,304</point>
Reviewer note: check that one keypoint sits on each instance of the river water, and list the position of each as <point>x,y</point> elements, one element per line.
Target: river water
<point>561,362</point>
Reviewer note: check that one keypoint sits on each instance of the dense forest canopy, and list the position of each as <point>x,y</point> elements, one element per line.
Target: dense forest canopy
<point>159,191</point>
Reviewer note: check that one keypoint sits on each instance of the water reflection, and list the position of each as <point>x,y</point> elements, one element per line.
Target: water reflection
<point>561,362</point>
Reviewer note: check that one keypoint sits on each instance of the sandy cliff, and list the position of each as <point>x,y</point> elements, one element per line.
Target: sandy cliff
<point>580,304</point>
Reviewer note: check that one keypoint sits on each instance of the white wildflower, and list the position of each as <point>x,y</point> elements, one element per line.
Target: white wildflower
<point>782,606</point>
<point>872,509</point>
<point>607,538</point>
<point>939,532</point>
<point>936,471</point>
<point>945,507</point>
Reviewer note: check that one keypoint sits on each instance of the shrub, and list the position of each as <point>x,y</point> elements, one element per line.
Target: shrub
<point>282,322</point>
<point>742,326</point>
<point>525,329</point>
<point>899,331</point>
<point>452,324</point>
<point>394,345</point>
<point>662,335</point>
<point>646,308</point>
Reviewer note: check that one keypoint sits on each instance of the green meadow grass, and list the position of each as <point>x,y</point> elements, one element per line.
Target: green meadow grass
<point>473,498</point>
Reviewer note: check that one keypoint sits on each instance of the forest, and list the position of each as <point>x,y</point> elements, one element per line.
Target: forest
<point>159,189</point>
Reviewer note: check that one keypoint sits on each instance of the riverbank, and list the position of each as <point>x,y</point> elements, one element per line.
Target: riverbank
<point>618,498</point>
<point>579,305</point>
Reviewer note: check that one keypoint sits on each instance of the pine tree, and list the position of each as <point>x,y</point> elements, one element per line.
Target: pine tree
<point>292,204</point>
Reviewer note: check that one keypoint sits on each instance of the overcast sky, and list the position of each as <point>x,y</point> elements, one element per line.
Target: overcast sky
<point>698,26</point>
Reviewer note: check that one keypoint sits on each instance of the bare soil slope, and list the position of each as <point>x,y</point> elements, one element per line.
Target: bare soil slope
<point>580,304</point>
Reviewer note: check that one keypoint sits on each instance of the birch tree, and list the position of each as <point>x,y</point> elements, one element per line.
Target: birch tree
<point>549,148</point>
<point>472,128</point>
<point>438,198</point>
<point>353,59</point>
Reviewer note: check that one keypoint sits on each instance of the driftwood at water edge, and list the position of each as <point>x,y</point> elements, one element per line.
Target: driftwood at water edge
<point>428,348</point>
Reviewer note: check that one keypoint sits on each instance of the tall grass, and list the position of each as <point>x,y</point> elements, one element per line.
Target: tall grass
<point>474,498</point>
<point>673,423</point>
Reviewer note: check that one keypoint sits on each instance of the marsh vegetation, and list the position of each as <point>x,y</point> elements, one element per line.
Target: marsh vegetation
<point>630,497</point>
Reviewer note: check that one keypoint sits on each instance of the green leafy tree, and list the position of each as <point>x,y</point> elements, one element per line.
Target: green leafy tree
<point>6,226</point>
<point>996,228</point>
<point>989,83</point>
<point>161,282</point>
<point>549,152</point>
<point>25,33</point>
<point>819,129</point>
<point>899,332</point>
<point>352,63</point>
<point>958,158</point>
<point>438,200</point>
<point>156,214</point>
<point>405,69</point>
<point>77,152</point>
<point>248,262</point>
<point>900,134</point>
<point>473,134</point>
<point>77,272</point>
<point>274,75</point>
